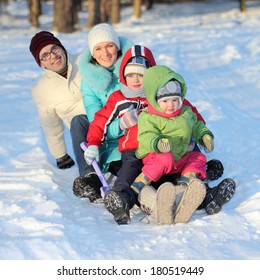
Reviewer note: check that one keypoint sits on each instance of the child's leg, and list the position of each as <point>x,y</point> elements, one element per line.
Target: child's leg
<point>192,165</point>
<point>130,169</point>
<point>155,165</point>
<point>121,198</point>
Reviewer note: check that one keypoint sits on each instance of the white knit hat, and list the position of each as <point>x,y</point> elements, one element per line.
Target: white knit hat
<point>100,33</point>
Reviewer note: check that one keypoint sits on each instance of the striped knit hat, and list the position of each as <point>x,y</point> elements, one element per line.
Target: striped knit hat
<point>170,89</point>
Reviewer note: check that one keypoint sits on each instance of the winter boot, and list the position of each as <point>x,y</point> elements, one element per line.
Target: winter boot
<point>214,170</point>
<point>191,198</point>
<point>119,203</point>
<point>186,178</point>
<point>140,182</point>
<point>87,186</point>
<point>158,204</point>
<point>219,195</point>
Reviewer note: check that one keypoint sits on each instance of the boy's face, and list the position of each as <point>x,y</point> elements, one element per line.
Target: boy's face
<point>169,105</point>
<point>135,81</point>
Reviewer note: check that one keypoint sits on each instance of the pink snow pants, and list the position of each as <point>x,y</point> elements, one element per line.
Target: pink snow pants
<point>156,165</point>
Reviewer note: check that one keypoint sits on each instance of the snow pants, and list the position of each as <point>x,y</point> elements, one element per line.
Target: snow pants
<point>156,165</point>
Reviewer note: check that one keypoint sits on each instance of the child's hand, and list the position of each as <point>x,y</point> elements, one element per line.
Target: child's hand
<point>164,145</point>
<point>208,143</point>
<point>129,118</point>
<point>91,153</point>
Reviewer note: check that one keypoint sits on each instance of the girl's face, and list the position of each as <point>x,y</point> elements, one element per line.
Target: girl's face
<point>53,58</point>
<point>134,81</point>
<point>105,54</point>
<point>169,105</point>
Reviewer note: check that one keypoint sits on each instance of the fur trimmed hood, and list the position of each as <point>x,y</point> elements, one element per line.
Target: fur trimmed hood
<point>91,73</point>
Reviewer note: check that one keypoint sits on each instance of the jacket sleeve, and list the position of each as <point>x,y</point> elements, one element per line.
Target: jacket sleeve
<point>103,119</point>
<point>194,110</point>
<point>199,130</point>
<point>148,134</point>
<point>53,129</point>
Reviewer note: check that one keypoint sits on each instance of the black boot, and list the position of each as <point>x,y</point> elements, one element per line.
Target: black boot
<point>119,203</point>
<point>219,195</point>
<point>88,187</point>
<point>214,170</point>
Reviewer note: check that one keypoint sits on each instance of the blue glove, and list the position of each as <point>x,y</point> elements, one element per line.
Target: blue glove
<point>129,118</point>
<point>91,153</point>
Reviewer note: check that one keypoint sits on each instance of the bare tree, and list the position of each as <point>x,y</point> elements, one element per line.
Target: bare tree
<point>148,4</point>
<point>242,5</point>
<point>34,12</point>
<point>93,13</point>
<point>115,11</point>
<point>105,10</point>
<point>137,4</point>
<point>65,16</point>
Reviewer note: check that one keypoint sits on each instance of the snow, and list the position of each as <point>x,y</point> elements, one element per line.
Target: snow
<point>217,50</point>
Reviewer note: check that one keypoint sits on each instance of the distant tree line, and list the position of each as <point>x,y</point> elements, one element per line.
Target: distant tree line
<point>65,12</point>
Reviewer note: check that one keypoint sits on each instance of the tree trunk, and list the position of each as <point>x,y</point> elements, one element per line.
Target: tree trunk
<point>242,5</point>
<point>148,4</point>
<point>65,18</point>
<point>105,10</point>
<point>93,13</point>
<point>115,11</point>
<point>137,8</point>
<point>34,12</point>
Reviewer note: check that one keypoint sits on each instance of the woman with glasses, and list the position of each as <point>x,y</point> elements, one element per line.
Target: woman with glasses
<point>57,94</point>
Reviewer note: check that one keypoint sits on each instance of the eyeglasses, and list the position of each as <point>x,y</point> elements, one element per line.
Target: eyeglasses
<point>46,56</point>
<point>141,60</point>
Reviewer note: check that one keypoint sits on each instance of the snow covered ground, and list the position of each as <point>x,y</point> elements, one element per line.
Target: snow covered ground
<point>217,50</point>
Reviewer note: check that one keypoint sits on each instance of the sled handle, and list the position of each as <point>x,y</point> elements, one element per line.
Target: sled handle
<point>105,186</point>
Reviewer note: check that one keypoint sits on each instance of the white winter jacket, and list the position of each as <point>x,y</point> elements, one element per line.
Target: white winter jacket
<point>58,100</point>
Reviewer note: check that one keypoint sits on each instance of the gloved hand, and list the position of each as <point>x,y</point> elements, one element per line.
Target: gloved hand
<point>129,118</point>
<point>65,162</point>
<point>164,145</point>
<point>91,153</point>
<point>208,143</point>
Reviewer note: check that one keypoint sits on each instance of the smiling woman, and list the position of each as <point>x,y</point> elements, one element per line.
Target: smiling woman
<point>99,68</point>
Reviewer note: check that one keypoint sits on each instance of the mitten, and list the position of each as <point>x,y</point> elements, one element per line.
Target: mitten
<point>91,153</point>
<point>129,118</point>
<point>208,143</point>
<point>65,162</point>
<point>164,145</point>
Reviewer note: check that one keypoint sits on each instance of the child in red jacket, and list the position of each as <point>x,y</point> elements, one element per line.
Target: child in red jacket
<point>125,105</point>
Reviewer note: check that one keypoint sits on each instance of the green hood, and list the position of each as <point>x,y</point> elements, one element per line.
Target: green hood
<point>157,76</point>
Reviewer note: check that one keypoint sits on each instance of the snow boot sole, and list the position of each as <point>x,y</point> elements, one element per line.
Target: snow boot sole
<point>165,198</point>
<point>83,187</point>
<point>225,191</point>
<point>117,206</point>
<point>191,199</point>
